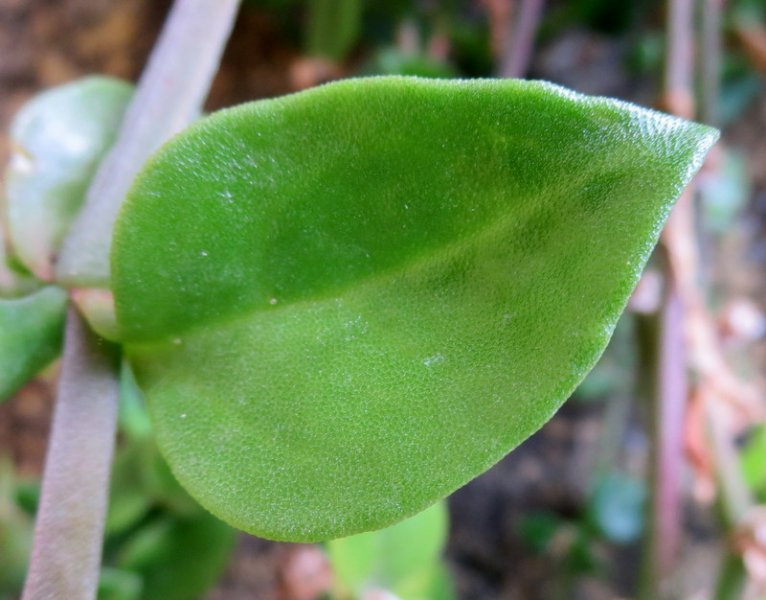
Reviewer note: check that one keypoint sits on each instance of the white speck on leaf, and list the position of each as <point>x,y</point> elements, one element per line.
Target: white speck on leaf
<point>433,360</point>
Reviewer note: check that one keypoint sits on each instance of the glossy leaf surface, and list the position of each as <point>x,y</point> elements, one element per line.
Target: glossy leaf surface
<point>31,330</point>
<point>58,140</point>
<point>344,304</point>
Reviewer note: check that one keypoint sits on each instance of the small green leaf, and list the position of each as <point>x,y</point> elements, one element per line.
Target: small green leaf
<point>402,558</point>
<point>16,528</point>
<point>133,417</point>
<point>344,304</point>
<point>57,140</point>
<point>31,330</point>
<point>14,281</point>
<point>128,499</point>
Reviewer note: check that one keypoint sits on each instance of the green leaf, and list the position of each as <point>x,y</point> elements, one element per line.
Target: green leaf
<point>753,460</point>
<point>344,304</point>
<point>178,558</point>
<point>58,140</point>
<point>31,330</point>
<point>14,281</point>
<point>403,558</point>
<point>115,584</point>
<point>129,501</point>
<point>392,61</point>
<point>333,27</point>
<point>133,417</point>
<point>16,529</point>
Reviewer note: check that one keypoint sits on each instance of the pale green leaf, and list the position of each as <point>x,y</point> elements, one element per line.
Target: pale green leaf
<point>402,559</point>
<point>57,140</point>
<point>344,304</point>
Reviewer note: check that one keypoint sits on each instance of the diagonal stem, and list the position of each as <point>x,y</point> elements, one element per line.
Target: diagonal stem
<point>70,520</point>
<point>169,96</point>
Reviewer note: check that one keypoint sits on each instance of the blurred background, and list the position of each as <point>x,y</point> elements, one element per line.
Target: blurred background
<point>649,483</point>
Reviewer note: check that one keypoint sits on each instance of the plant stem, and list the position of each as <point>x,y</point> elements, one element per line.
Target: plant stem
<point>671,394</point>
<point>679,59</point>
<point>663,351</point>
<point>70,519</point>
<point>671,386</point>
<point>169,96</point>
<point>711,60</point>
<point>518,49</point>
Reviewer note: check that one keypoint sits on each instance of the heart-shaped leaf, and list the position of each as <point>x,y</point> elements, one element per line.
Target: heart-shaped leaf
<point>31,329</point>
<point>344,304</point>
<point>58,140</point>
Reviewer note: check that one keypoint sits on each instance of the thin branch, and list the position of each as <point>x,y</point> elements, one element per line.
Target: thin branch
<point>672,392</point>
<point>711,60</point>
<point>664,539</point>
<point>518,48</point>
<point>169,96</point>
<point>722,390</point>
<point>679,59</point>
<point>70,521</point>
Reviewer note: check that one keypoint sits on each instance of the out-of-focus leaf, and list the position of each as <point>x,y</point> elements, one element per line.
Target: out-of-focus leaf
<point>116,584</point>
<point>333,27</point>
<point>27,496</point>
<point>16,530</point>
<point>344,304</point>
<point>57,141</point>
<point>133,417</point>
<point>617,507</point>
<point>754,461</point>
<point>402,558</point>
<point>14,281</point>
<point>537,529</point>
<point>391,61</point>
<point>178,558</point>
<point>31,329</point>
<point>724,192</point>
<point>128,499</point>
